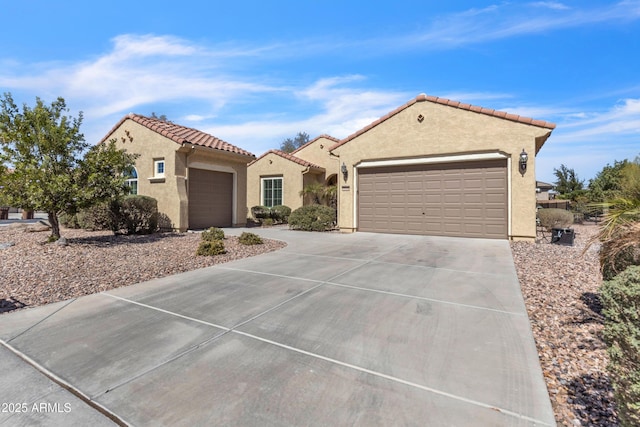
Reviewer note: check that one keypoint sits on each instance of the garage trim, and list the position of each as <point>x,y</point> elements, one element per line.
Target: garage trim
<point>434,160</point>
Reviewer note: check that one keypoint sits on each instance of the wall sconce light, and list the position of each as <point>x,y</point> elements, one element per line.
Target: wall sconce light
<point>345,172</point>
<point>524,157</point>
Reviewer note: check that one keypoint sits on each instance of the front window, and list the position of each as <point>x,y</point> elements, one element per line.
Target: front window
<point>271,191</point>
<point>131,176</point>
<point>158,168</point>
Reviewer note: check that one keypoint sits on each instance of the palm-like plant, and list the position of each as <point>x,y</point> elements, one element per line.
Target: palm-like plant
<point>619,234</point>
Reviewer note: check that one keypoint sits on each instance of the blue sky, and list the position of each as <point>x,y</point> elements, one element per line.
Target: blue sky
<point>254,73</point>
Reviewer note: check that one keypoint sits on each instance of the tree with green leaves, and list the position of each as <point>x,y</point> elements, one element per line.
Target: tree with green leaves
<point>47,165</point>
<point>567,181</point>
<point>292,144</point>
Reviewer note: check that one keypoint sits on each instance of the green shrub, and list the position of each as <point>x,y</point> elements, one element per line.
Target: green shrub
<point>555,218</point>
<point>267,222</point>
<point>621,302</point>
<point>102,216</point>
<point>135,214</point>
<point>69,220</point>
<point>250,239</point>
<point>260,212</point>
<point>211,247</point>
<point>280,213</point>
<point>213,233</point>
<point>312,218</point>
<point>614,261</point>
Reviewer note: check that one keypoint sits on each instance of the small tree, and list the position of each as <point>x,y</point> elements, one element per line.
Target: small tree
<point>44,148</point>
<point>567,181</point>
<point>289,145</point>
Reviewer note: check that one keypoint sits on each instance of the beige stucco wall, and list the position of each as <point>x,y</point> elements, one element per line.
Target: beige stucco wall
<point>317,153</point>
<point>150,146</point>
<point>295,177</point>
<point>171,192</point>
<point>446,131</point>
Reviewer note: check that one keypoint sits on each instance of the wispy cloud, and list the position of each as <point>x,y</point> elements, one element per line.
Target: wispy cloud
<point>514,19</point>
<point>550,5</point>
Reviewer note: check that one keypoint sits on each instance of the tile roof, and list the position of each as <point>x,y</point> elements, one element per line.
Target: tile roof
<point>330,138</point>
<point>454,104</point>
<point>181,134</point>
<point>290,157</point>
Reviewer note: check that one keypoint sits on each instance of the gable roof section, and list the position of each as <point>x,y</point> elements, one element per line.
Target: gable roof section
<point>290,157</point>
<point>181,134</point>
<point>330,138</point>
<point>449,103</point>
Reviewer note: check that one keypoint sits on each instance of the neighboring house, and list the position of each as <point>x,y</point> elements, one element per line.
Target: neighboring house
<point>198,180</point>
<point>432,166</point>
<point>277,178</point>
<point>543,191</point>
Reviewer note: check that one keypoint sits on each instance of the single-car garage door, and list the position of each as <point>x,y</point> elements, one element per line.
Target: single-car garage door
<point>467,199</point>
<point>210,199</point>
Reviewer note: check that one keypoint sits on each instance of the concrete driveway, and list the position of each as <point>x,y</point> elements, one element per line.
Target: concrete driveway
<point>361,329</point>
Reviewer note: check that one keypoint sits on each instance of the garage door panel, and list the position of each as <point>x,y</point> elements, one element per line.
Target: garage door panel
<point>210,199</point>
<point>457,199</point>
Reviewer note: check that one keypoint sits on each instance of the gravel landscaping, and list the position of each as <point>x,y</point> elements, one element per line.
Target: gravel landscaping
<point>560,286</point>
<point>33,272</point>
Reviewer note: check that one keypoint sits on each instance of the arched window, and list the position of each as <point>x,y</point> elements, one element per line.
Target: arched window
<point>132,180</point>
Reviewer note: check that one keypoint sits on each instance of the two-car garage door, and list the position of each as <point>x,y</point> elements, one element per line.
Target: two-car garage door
<point>467,199</point>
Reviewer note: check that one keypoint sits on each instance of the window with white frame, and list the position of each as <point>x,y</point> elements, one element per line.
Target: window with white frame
<point>158,168</point>
<point>271,191</point>
<point>131,181</point>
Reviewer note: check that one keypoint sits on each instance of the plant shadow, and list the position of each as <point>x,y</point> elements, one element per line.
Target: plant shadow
<point>591,398</point>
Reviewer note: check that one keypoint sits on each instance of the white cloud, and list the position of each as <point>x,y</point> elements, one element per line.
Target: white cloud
<point>550,5</point>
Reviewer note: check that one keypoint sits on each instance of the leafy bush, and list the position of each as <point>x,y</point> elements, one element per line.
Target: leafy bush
<point>614,259</point>
<point>213,233</point>
<point>280,213</point>
<point>267,222</point>
<point>250,239</point>
<point>102,216</point>
<point>211,247</point>
<point>312,218</point>
<point>260,212</point>
<point>555,218</point>
<point>69,220</point>
<point>135,214</point>
<point>621,301</point>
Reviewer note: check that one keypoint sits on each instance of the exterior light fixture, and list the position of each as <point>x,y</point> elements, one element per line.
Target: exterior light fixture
<point>524,157</point>
<point>345,172</point>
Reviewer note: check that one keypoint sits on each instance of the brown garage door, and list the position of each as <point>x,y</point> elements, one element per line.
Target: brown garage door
<point>467,199</point>
<point>210,199</point>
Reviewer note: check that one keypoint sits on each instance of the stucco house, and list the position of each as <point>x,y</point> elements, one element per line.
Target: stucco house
<point>277,178</point>
<point>198,180</point>
<point>432,166</point>
<point>440,167</point>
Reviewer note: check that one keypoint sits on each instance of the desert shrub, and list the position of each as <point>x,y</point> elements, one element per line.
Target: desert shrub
<point>102,216</point>
<point>210,248</point>
<point>267,222</point>
<point>614,260</point>
<point>213,233</point>
<point>621,302</point>
<point>555,218</point>
<point>250,239</point>
<point>312,218</point>
<point>69,220</point>
<point>280,213</point>
<point>260,212</point>
<point>135,214</point>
